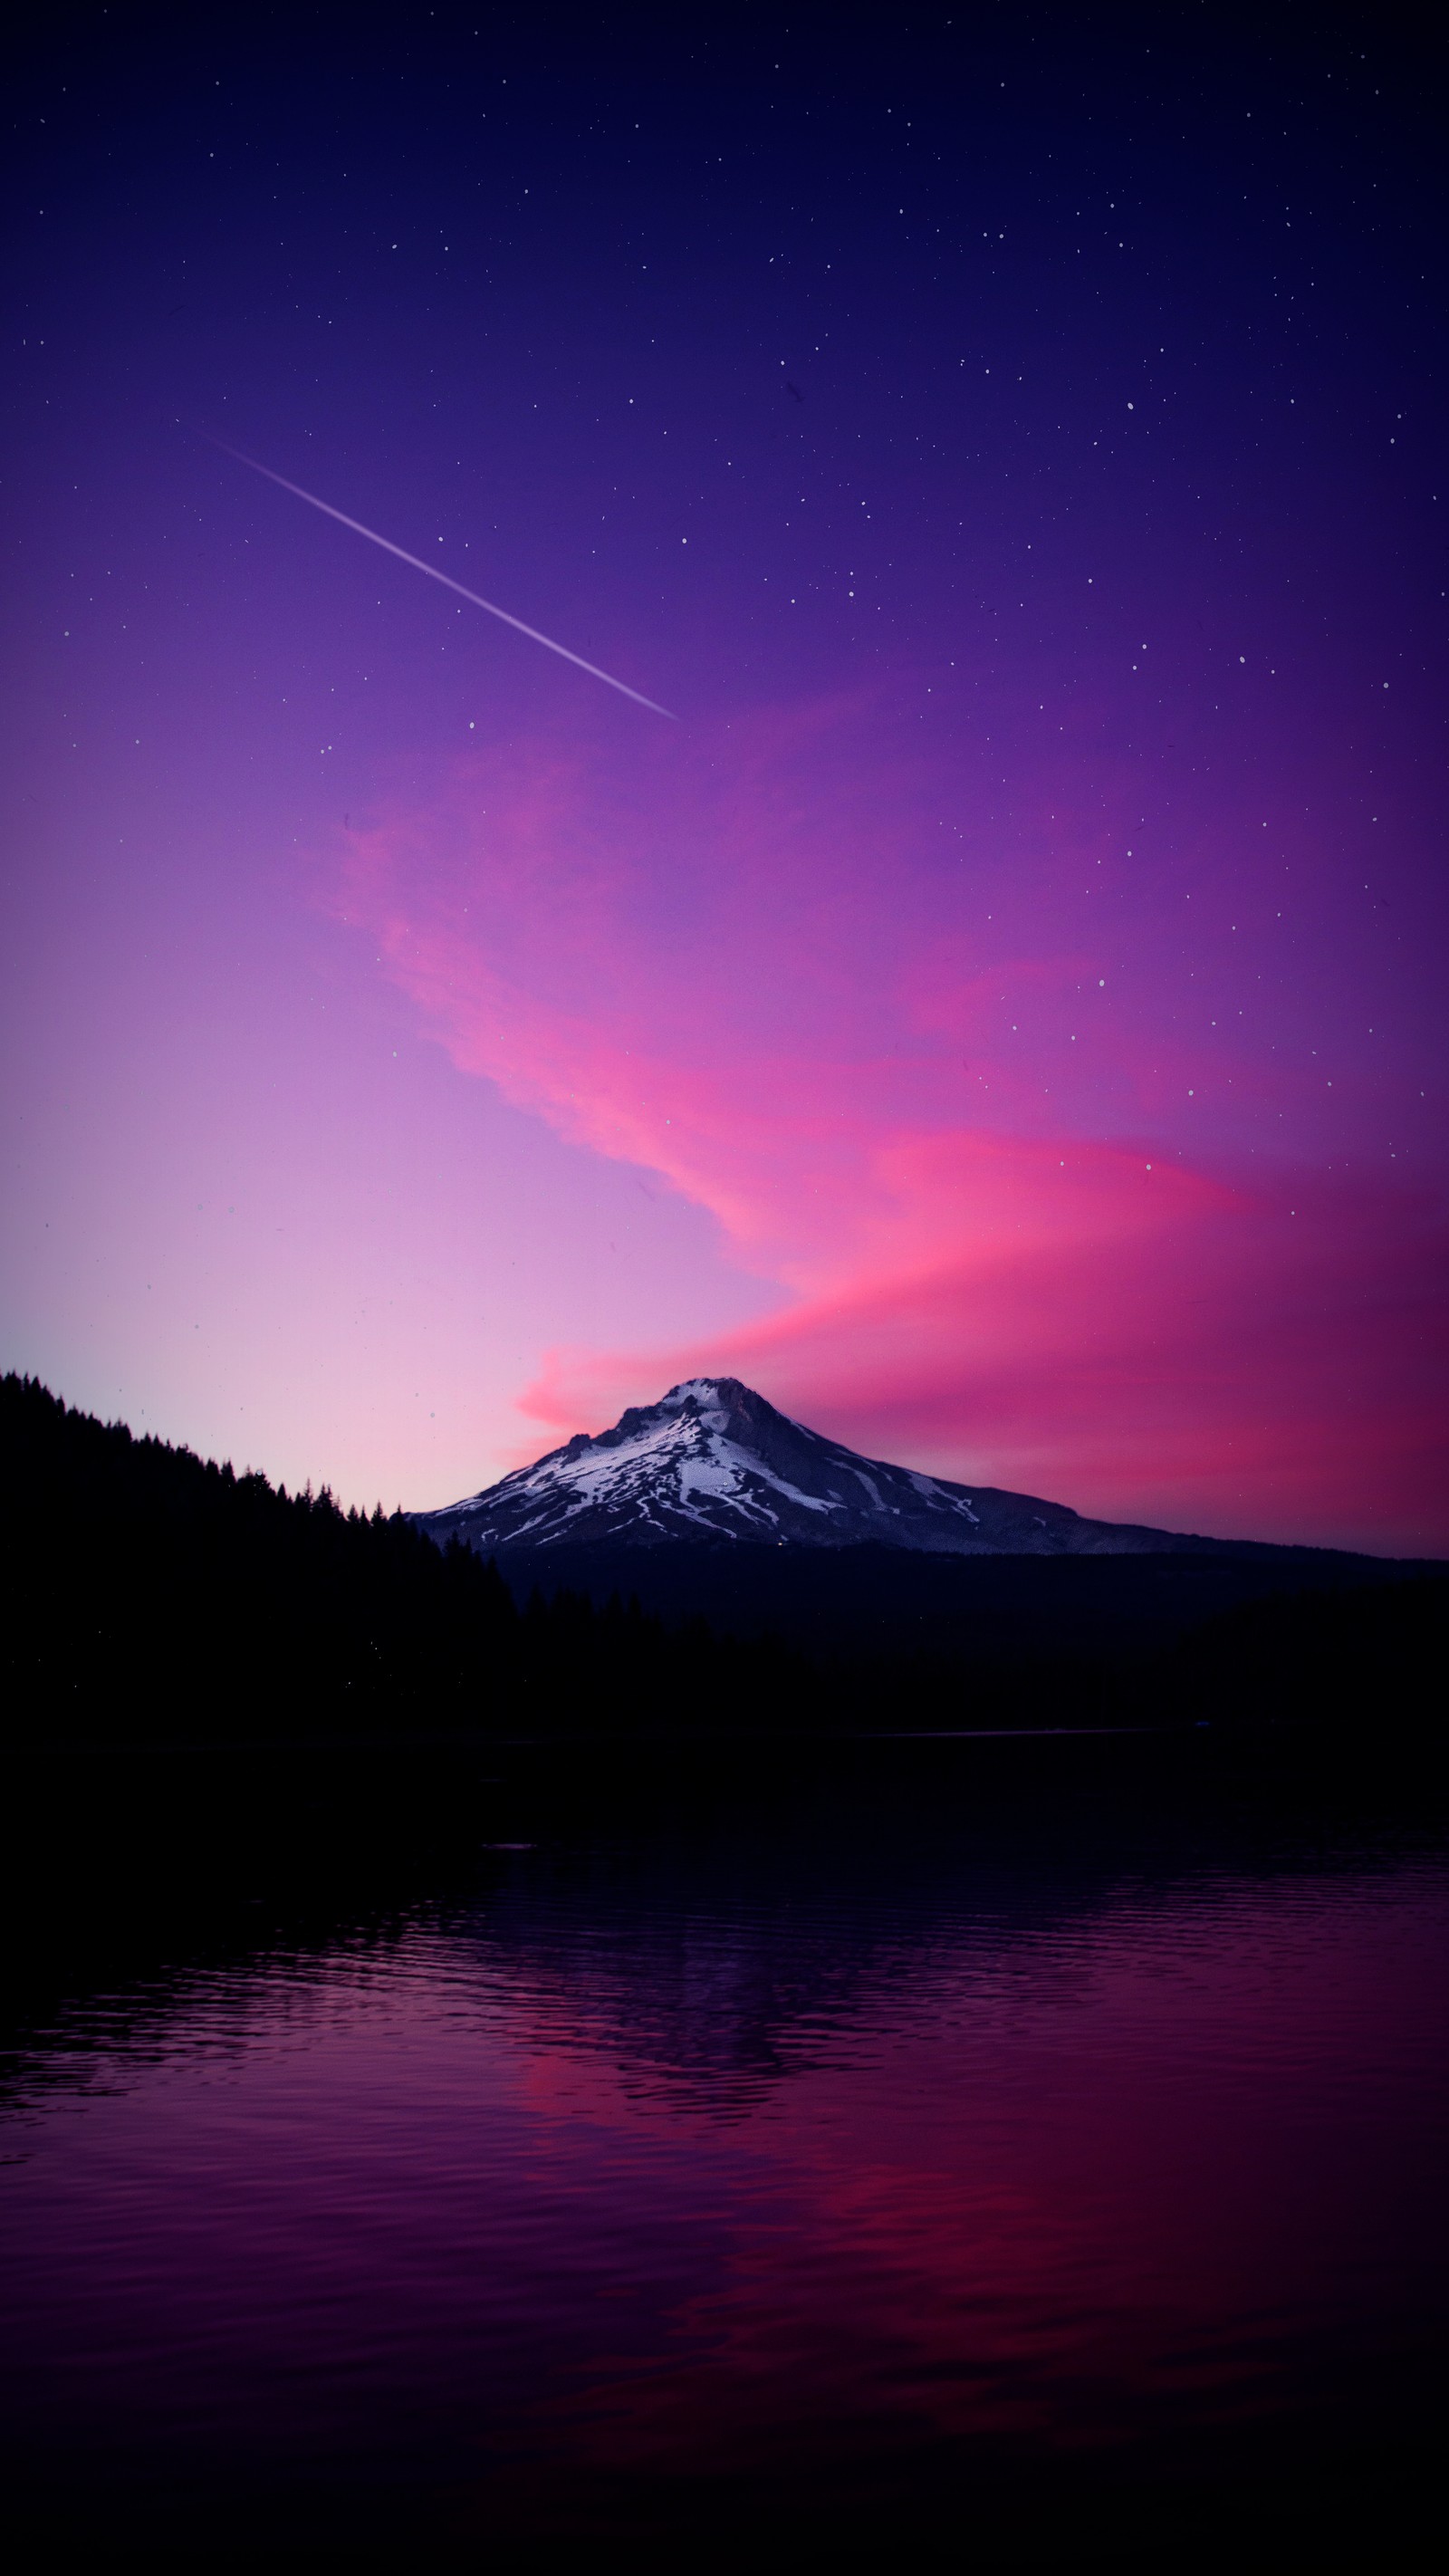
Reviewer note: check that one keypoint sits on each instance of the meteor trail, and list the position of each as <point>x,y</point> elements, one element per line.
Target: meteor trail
<point>446,579</point>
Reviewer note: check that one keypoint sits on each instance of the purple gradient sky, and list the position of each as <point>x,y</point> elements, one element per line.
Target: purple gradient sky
<point>1002,1018</point>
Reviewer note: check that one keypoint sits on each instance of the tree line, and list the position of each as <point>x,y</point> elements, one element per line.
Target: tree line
<point>155,1593</point>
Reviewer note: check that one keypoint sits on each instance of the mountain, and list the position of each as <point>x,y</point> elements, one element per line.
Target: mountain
<point>712,1462</point>
<point>710,1505</point>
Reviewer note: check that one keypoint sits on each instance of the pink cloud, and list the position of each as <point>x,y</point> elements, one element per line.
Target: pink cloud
<point>1009,1242</point>
<point>1216,1371</point>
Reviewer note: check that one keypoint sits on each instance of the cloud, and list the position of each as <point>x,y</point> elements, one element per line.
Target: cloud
<point>948,1108</point>
<point>1208,1374</point>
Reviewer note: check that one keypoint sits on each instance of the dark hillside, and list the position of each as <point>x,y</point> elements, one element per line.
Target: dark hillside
<point>882,1601</point>
<point>154,1593</point>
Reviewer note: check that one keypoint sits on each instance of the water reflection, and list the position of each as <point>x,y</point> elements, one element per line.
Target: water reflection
<point>841,2160</point>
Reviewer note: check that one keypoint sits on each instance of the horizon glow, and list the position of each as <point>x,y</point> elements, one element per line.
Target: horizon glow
<point>1000,1020</point>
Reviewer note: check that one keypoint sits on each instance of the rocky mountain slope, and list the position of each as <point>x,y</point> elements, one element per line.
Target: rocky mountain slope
<point>712,1462</point>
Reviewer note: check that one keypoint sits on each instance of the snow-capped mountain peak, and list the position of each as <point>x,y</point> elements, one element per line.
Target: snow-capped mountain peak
<point>712,1462</point>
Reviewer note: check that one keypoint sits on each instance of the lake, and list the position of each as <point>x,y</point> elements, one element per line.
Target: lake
<point>984,2151</point>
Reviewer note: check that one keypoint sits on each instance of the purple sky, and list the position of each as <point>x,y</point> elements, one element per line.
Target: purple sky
<point>1001,1018</point>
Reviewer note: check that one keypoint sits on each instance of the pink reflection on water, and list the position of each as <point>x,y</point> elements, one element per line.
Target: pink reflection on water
<point>557,2193</point>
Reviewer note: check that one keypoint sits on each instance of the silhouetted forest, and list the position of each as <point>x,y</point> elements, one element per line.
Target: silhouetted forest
<point>154,1594</point>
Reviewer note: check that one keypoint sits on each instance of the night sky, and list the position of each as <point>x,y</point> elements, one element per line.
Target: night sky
<point>998,1011</point>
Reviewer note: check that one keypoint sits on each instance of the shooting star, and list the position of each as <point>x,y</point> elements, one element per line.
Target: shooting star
<point>446,579</point>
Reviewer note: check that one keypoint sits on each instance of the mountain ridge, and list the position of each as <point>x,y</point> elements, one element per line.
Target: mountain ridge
<point>714,1463</point>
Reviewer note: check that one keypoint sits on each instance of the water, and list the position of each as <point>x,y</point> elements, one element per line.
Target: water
<point>985,2153</point>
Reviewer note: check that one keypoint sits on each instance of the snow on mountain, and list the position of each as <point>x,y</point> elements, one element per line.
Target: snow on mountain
<point>712,1462</point>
